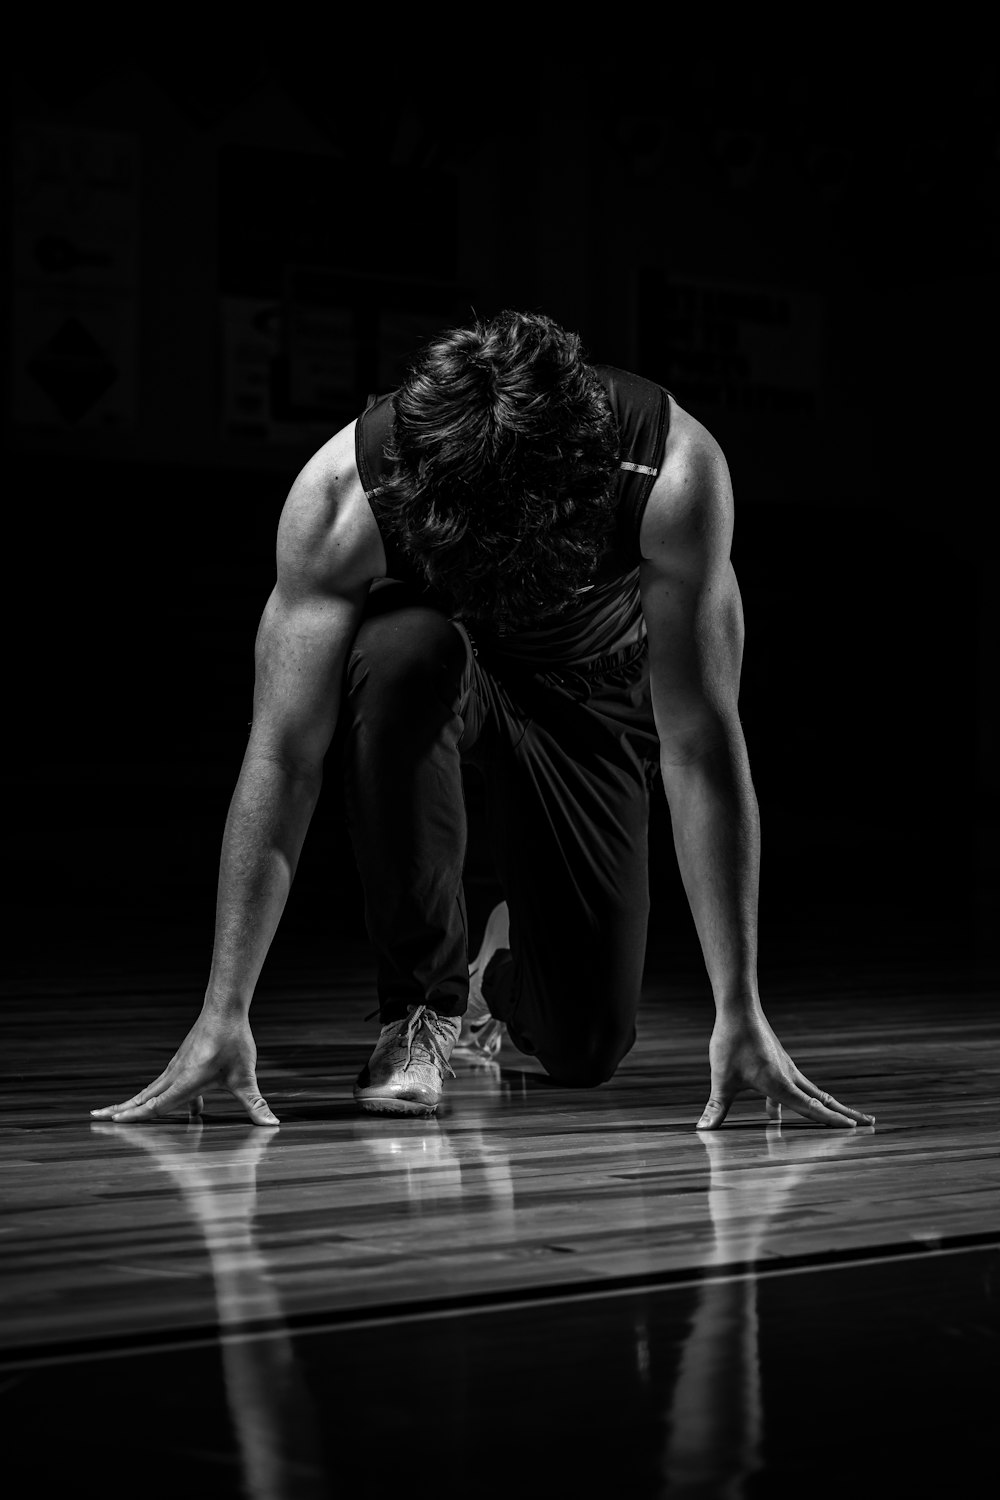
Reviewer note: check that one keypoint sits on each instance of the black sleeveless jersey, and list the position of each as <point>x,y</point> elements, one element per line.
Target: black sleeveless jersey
<point>607,617</point>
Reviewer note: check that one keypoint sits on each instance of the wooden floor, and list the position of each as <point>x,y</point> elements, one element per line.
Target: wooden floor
<point>543,1291</point>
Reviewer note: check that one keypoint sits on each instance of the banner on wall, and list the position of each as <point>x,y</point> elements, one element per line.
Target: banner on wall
<point>299,366</point>
<point>75,275</point>
<point>718,344</point>
<point>288,376</point>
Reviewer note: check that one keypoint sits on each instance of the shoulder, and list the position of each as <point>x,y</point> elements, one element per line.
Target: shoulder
<point>691,503</point>
<point>328,539</point>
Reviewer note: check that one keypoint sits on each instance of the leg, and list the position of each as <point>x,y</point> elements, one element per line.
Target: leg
<point>409,679</point>
<point>569,813</point>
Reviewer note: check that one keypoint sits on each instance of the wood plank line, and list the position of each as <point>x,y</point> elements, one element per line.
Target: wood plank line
<point>322,1323</point>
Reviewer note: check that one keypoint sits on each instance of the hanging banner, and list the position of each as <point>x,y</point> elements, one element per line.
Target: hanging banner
<point>75,227</point>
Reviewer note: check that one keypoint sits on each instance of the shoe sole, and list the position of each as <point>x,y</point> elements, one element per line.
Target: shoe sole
<point>484,1045</point>
<point>497,935</point>
<point>392,1106</point>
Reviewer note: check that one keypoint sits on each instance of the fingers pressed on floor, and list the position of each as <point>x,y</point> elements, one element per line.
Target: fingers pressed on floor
<point>129,1114</point>
<point>257,1107</point>
<point>136,1099</point>
<point>714,1113</point>
<point>859,1115</point>
<point>815,1109</point>
<point>115,1109</point>
<point>174,1097</point>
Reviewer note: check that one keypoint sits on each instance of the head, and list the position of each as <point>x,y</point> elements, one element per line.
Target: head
<point>505,454</point>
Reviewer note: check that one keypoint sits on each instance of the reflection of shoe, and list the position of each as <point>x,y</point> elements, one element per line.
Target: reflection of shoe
<point>413,1156</point>
<point>405,1073</point>
<point>482,1034</point>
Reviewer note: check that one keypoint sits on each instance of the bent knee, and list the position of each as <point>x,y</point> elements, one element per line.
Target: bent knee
<point>591,1061</point>
<point>408,645</point>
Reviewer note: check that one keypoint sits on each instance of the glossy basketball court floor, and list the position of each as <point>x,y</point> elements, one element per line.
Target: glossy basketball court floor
<point>542,1292</point>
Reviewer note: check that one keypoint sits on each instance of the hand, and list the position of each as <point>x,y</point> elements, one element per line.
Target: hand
<point>746,1055</point>
<point>217,1050</point>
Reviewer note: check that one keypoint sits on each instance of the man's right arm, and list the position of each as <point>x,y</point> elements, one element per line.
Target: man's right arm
<point>328,552</point>
<point>303,641</point>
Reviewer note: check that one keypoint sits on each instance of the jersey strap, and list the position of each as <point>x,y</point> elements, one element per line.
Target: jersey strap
<point>642,411</point>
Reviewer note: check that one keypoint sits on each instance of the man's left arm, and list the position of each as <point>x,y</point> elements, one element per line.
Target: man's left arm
<point>694,618</point>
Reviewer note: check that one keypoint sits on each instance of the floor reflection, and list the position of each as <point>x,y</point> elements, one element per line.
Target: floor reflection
<point>431,1165</point>
<point>709,1409</point>
<point>273,1421</point>
<point>715,1420</point>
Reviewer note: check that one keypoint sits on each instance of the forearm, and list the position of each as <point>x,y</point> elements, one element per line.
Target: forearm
<point>264,833</point>
<point>716,830</point>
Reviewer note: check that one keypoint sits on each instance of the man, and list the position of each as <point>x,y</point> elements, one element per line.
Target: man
<point>522,561</point>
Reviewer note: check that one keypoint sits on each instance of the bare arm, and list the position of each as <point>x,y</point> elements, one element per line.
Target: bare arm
<point>694,616</point>
<point>301,651</point>
<point>327,553</point>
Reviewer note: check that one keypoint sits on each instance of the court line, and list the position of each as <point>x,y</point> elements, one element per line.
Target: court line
<point>301,1325</point>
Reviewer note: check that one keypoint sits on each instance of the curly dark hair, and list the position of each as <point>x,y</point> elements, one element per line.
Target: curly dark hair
<point>502,464</point>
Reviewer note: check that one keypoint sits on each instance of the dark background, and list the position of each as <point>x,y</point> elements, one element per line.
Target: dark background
<point>803,248</point>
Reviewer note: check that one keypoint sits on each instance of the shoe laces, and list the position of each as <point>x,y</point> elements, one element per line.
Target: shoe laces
<point>436,1036</point>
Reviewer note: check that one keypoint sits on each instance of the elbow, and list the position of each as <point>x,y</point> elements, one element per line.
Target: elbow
<point>715,752</point>
<point>699,737</point>
<point>303,771</point>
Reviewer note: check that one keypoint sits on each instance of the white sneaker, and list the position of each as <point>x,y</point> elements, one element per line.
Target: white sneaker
<point>404,1075</point>
<point>482,1034</point>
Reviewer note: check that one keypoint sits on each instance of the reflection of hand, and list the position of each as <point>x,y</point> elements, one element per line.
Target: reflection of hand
<point>746,1195</point>
<point>746,1055</point>
<point>220,1182</point>
<point>217,1050</point>
<point>796,1152</point>
<point>180,1148</point>
<point>271,1409</point>
<point>182,1152</point>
